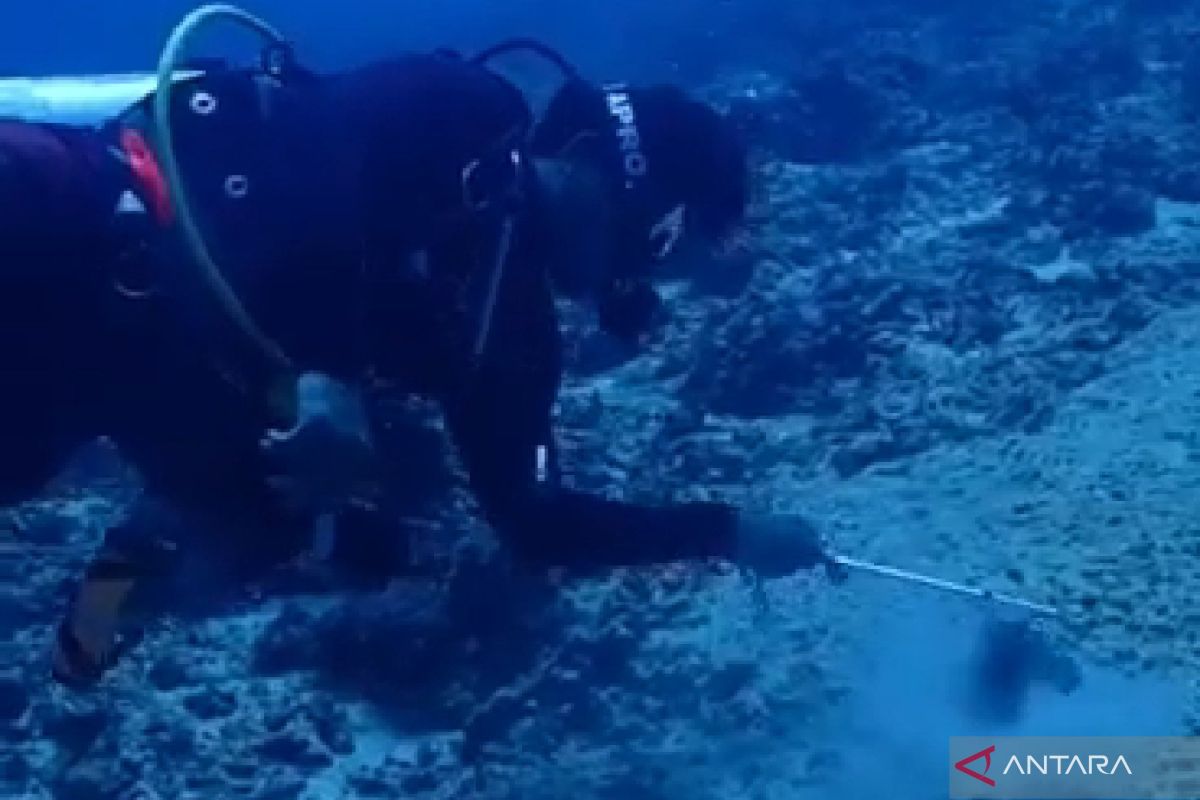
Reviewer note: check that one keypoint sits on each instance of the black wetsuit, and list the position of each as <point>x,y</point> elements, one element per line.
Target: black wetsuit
<point>352,174</point>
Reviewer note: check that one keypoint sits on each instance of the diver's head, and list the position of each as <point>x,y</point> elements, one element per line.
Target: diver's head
<point>628,173</point>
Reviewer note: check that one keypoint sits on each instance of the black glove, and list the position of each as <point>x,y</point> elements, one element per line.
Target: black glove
<point>777,546</point>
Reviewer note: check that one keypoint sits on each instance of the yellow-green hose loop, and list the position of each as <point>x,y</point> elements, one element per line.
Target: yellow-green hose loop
<point>188,226</point>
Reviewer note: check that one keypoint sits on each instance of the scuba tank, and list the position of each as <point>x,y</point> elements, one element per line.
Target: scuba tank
<point>90,100</point>
<point>94,99</point>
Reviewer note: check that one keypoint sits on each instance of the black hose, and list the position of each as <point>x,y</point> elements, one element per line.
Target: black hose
<point>530,45</point>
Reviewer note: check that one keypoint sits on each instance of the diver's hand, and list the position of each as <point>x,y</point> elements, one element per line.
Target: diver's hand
<point>327,457</point>
<point>777,546</point>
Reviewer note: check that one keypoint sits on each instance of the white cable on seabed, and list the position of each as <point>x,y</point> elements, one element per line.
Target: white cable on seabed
<point>944,585</point>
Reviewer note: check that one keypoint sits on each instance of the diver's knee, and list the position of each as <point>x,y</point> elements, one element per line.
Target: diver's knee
<point>149,539</point>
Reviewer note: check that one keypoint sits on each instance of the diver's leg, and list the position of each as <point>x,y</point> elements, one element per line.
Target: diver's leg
<point>211,522</point>
<point>168,558</point>
<point>162,560</point>
<point>51,238</point>
<point>52,182</point>
<point>138,555</point>
<point>31,453</point>
<point>208,509</point>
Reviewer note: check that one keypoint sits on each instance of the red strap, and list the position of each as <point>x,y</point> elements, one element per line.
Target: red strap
<point>149,174</point>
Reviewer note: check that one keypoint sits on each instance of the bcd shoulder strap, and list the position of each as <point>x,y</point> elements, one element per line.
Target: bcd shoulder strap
<point>222,124</point>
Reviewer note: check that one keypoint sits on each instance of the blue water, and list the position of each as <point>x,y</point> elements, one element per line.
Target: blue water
<point>959,335</point>
<point>65,37</point>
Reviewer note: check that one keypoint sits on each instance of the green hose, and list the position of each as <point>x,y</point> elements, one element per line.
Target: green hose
<point>192,236</point>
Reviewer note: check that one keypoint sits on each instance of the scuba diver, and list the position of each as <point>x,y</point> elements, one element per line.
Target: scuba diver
<point>406,223</point>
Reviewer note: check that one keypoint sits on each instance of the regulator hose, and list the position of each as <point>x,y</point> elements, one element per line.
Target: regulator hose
<point>282,381</point>
<point>522,43</point>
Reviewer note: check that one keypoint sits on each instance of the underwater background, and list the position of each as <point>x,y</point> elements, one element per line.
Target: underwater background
<point>630,38</point>
<point>960,334</point>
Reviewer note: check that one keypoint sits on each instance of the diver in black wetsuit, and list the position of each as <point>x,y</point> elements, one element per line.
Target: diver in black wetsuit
<point>407,222</point>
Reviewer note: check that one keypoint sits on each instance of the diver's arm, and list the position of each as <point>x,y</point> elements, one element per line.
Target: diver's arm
<point>505,443</point>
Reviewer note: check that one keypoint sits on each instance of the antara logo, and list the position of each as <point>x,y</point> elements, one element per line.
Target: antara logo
<point>1080,765</point>
<point>1043,765</point>
<point>986,755</point>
